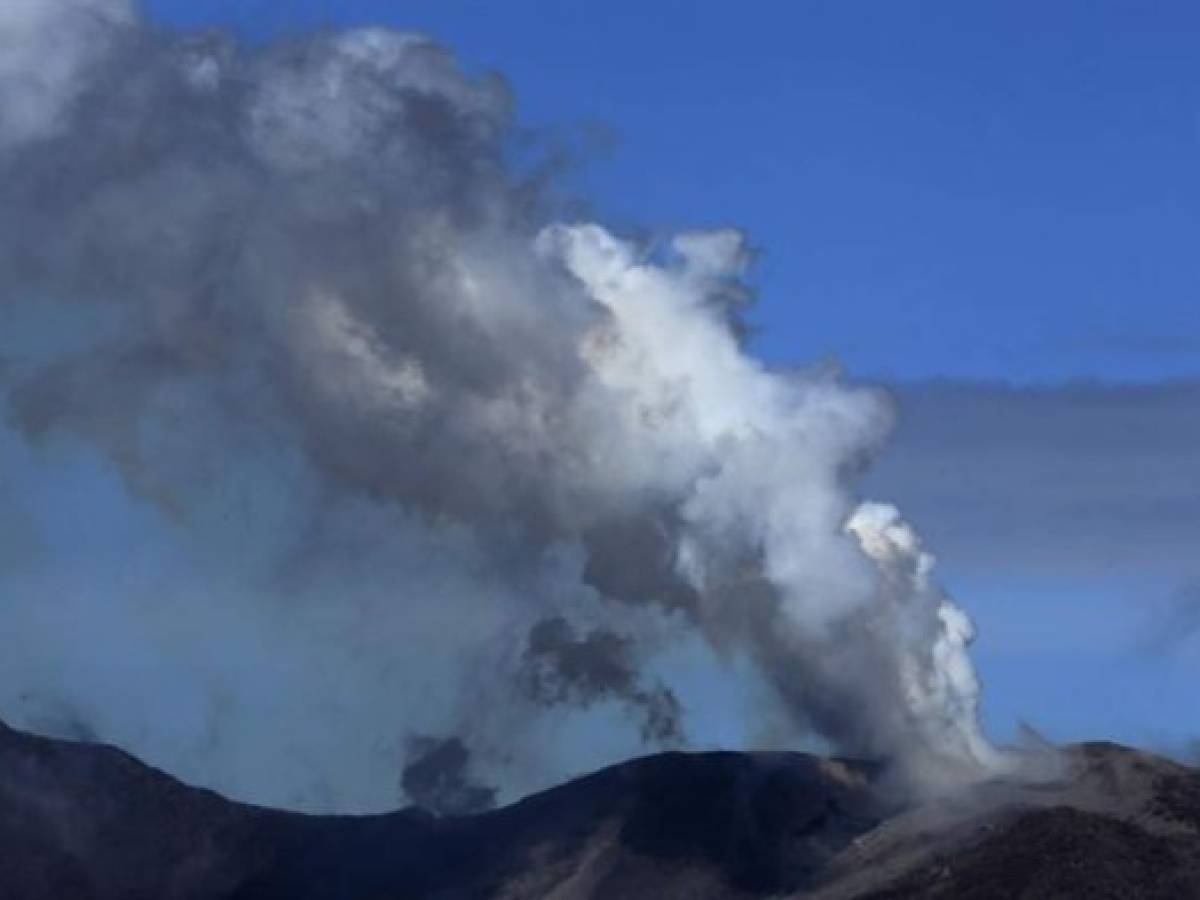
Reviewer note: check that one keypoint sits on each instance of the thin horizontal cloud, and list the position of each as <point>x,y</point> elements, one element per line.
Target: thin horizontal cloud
<point>1081,480</point>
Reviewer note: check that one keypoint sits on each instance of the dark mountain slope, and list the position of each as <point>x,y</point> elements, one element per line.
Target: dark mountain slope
<point>1059,852</point>
<point>86,821</point>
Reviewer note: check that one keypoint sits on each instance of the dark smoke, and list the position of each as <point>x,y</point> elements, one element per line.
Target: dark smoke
<point>562,667</point>
<point>437,778</point>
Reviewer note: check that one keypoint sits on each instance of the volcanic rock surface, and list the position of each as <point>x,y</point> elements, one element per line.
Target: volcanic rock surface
<point>81,820</point>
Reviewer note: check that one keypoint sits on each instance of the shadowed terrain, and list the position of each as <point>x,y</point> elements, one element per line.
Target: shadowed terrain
<point>88,821</point>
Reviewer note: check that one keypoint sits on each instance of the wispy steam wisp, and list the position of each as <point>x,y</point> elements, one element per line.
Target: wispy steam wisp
<point>439,463</point>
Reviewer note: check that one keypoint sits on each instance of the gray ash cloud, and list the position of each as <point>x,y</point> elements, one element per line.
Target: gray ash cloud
<point>376,411</point>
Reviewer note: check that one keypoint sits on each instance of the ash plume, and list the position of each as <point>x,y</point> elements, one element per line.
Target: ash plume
<point>436,778</point>
<point>380,414</point>
<point>560,666</point>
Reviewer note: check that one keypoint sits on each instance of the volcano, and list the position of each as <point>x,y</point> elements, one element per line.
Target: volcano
<point>85,820</point>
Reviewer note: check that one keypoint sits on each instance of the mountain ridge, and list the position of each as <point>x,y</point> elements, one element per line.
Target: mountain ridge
<point>88,820</point>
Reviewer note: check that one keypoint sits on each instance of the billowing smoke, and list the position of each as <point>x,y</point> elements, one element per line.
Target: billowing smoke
<point>408,455</point>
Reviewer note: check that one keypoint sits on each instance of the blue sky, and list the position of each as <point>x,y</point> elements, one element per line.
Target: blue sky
<point>989,190</point>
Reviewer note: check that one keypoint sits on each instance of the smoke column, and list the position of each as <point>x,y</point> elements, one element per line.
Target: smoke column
<point>411,468</point>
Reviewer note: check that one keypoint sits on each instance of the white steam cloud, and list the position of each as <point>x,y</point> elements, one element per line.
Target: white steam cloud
<point>413,445</point>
